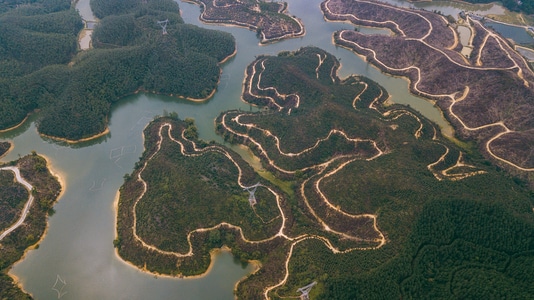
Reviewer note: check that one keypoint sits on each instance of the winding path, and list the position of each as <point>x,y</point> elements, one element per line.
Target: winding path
<point>511,62</point>
<point>27,206</point>
<point>380,241</point>
<point>332,219</point>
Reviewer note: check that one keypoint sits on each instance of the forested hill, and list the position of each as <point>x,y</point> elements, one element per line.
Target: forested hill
<point>75,91</point>
<point>47,6</point>
<point>526,6</point>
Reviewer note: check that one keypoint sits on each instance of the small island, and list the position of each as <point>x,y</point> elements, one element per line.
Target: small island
<point>352,191</point>
<point>526,7</point>
<point>23,213</point>
<point>268,18</point>
<point>486,95</point>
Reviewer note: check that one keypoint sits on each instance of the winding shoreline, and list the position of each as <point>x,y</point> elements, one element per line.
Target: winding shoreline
<point>467,124</point>
<point>251,26</point>
<point>107,130</point>
<point>103,133</point>
<point>213,252</point>
<point>16,126</point>
<point>63,186</point>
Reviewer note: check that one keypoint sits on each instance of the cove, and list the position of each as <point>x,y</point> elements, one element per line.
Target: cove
<point>78,246</point>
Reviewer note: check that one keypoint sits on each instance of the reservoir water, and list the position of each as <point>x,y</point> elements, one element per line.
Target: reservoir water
<point>517,33</point>
<point>78,246</point>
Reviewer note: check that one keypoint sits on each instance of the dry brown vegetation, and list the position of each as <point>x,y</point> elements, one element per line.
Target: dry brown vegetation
<point>487,96</point>
<point>268,19</point>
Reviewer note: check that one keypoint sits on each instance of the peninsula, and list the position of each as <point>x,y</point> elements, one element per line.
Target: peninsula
<point>268,18</point>
<point>487,96</point>
<point>28,192</point>
<point>351,201</point>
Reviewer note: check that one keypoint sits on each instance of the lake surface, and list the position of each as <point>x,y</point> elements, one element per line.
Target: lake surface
<point>78,246</point>
<point>526,52</point>
<point>518,34</point>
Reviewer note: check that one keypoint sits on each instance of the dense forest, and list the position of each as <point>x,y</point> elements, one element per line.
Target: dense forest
<point>478,227</point>
<point>12,197</point>
<point>457,249</point>
<point>75,91</point>
<point>4,147</point>
<point>199,188</point>
<point>32,36</point>
<point>524,6</point>
<point>35,6</point>
<point>455,226</point>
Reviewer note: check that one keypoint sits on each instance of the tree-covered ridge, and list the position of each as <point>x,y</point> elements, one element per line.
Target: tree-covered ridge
<point>130,54</point>
<point>32,36</point>
<point>459,248</point>
<point>353,188</point>
<point>30,40</point>
<point>486,96</point>
<point>186,197</point>
<point>268,18</point>
<point>34,169</point>
<point>412,169</point>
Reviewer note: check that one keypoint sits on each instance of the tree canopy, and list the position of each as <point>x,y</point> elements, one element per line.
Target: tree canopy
<point>75,90</point>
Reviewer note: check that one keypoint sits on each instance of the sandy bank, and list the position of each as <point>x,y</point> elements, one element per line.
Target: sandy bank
<point>103,133</point>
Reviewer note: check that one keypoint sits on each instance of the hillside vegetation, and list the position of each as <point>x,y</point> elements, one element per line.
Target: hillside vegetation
<point>75,93</point>
<point>13,196</point>
<point>372,201</point>
<point>455,226</point>
<point>486,96</point>
<point>269,19</point>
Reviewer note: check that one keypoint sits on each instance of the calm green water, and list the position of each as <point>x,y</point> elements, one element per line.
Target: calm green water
<point>78,245</point>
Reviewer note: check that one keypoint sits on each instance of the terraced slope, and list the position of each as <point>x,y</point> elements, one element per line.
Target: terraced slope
<point>351,188</point>
<point>488,97</point>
